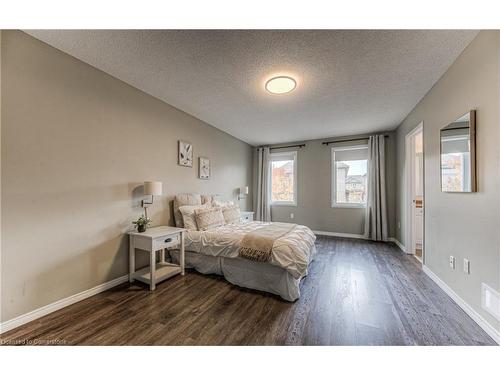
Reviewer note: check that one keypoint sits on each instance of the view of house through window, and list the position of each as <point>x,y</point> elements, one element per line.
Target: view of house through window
<point>283,177</point>
<point>350,169</point>
<point>455,161</point>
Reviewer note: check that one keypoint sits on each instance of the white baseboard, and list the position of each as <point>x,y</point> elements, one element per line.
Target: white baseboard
<point>337,234</point>
<point>487,327</point>
<point>42,311</point>
<point>398,244</point>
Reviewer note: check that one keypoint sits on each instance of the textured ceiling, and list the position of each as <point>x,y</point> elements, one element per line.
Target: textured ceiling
<point>349,81</point>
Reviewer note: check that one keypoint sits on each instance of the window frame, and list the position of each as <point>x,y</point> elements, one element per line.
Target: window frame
<point>333,187</point>
<point>293,155</point>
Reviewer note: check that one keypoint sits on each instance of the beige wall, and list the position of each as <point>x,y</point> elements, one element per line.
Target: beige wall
<point>464,225</point>
<point>76,145</point>
<point>314,195</point>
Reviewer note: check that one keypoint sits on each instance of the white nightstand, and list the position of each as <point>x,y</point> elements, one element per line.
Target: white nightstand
<point>153,240</point>
<point>246,216</point>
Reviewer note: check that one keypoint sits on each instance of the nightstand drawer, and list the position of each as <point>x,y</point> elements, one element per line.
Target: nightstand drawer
<point>166,241</point>
<point>246,217</point>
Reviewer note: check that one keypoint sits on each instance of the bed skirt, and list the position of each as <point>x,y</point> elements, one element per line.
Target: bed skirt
<point>245,273</point>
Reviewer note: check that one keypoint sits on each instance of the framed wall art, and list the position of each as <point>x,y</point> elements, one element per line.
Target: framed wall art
<point>185,154</point>
<point>204,168</point>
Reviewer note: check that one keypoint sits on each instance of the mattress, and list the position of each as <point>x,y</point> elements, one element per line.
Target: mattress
<point>293,252</point>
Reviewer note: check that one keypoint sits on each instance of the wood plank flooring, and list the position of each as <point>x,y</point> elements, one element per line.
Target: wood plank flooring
<point>357,293</point>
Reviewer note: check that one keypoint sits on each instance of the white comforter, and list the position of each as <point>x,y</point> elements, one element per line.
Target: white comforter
<point>292,252</point>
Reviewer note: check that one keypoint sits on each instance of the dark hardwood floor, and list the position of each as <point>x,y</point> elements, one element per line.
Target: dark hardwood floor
<point>357,293</point>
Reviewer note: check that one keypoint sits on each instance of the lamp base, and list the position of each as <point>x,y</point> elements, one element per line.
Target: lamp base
<point>145,204</point>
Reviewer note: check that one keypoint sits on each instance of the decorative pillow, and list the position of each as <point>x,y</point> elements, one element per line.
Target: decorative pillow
<point>231,214</point>
<point>188,215</point>
<point>222,204</point>
<point>209,218</point>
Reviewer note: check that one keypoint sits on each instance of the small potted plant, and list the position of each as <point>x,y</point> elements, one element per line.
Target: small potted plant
<point>142,223</point>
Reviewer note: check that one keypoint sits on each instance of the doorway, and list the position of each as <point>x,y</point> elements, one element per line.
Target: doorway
<point>414,192</point>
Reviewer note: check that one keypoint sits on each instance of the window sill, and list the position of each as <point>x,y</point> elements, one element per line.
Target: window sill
<point>284,204</point>
<point>348,205</point>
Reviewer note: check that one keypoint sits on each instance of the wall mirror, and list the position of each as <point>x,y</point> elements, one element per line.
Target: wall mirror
<point>458,155</point>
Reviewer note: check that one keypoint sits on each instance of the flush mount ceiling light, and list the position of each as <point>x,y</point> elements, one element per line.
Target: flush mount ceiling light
<point>281,85</point>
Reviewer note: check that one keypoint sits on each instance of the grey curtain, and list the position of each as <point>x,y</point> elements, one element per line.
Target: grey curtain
<point>376,205</point>
<point>262,206</point>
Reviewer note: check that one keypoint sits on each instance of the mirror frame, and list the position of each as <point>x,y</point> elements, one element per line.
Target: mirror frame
<point>472,151</point>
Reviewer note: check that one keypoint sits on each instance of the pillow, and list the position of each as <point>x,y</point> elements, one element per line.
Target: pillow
<point>188,215</point>
<point>222,204</point>
<point>231,214</point>
<point>209,218</point>
<point>190,199</point>
<point>207,198</point>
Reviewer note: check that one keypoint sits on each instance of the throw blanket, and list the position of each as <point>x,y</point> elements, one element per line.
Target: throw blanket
<point>258,244</point>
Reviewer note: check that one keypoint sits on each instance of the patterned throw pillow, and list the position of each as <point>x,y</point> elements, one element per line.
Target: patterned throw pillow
<point>209,218</point>
<point>222,204</point>
<point>231,214</point>
<point>188,215</point>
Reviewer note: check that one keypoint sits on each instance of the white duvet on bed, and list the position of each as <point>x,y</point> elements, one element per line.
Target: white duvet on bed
<point>292,252</point>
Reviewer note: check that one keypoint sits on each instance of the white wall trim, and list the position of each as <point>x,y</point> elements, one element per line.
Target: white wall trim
<point>42,311</point>
<point>398,244</point>
<point>486,326</point>
<point>338,234</point>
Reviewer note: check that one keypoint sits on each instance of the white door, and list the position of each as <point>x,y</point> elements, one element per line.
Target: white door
<point>414,192</point>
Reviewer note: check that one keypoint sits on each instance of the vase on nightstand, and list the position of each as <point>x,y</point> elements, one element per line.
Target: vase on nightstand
<point>142,223</point>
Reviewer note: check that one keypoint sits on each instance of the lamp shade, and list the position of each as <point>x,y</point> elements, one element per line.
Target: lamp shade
<point>153,188</point>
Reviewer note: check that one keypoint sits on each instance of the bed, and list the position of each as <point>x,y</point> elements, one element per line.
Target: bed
<point>217,251</point>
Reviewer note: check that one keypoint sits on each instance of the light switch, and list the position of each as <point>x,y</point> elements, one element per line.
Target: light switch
<point>466,266</point>
<point>292,215</point>
<point>452,262</point>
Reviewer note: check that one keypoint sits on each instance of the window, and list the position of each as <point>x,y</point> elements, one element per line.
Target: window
<point>349,176</point>
<point>283,175</point>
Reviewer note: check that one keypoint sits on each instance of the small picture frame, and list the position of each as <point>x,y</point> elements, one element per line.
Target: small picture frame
<point>204,168</point>
<point>185,154</point>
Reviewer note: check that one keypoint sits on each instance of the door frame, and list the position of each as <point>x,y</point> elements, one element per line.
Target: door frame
<point>409,180</point>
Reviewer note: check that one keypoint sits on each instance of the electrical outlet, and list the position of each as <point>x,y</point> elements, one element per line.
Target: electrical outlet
<point>452,262</point>
<point>292,215</point>
<point>466,266</point>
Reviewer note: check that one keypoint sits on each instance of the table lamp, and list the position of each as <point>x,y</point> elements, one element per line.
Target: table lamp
<point>151,188</point>
<point>242,192</point>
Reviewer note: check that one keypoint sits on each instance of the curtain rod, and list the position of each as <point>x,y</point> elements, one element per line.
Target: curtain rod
<point>299,146</point>
<point>277,147</point>
<point>351,139</point>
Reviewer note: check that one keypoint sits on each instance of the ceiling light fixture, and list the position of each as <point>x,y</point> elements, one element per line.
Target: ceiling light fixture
<point>281,85</point>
